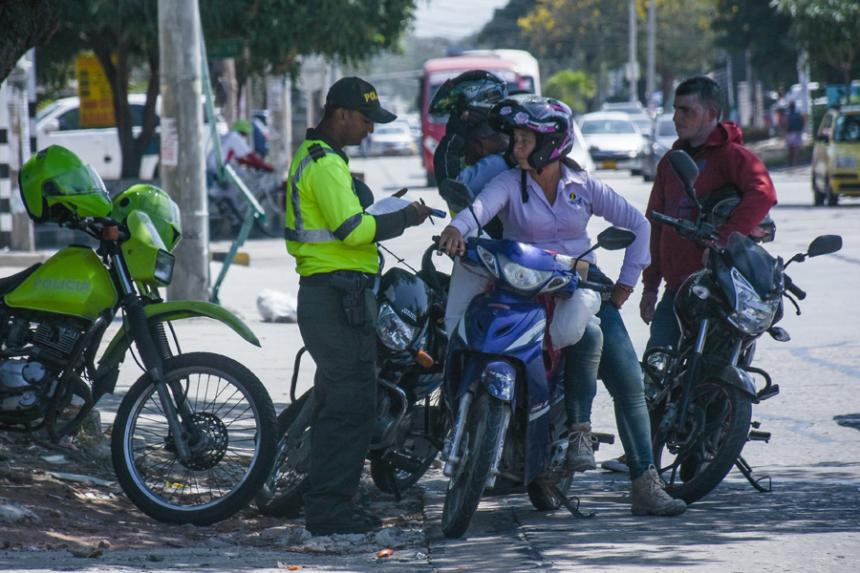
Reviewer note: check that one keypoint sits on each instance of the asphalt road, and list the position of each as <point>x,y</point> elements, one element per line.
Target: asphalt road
<point>809,522</point>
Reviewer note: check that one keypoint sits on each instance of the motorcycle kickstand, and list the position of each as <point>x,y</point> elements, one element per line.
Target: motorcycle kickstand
<point>747,470</point>
<point>571,503</point>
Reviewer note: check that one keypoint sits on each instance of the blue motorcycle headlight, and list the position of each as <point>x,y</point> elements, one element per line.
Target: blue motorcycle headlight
<point>523,278</point>
<point>500,379</point>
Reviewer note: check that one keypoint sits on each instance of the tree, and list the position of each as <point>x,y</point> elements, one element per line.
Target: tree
<point>575,88</point>
<point>757,27</point>
<point>25,24</point>
<point>124,35</point>
<point>829,31</point>
<point>589,35</point>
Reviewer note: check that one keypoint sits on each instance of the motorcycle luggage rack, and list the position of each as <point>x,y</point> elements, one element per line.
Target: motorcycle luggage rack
<point>747,470</point>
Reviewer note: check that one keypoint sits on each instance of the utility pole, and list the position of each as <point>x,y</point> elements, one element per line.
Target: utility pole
<point>182,161</point>
<point>632,63</point>
<point>651,74</point>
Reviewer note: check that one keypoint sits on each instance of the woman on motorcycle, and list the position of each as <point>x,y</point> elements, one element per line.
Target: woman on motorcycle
<point>548,200</point>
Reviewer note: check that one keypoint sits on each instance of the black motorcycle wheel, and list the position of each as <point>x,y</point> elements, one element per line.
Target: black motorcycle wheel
<point>482,433</point>
<point>695,463</point>
<point>281,494</point>
<point>418,445</point>
<point>230,461</point>
<point>544,499</point>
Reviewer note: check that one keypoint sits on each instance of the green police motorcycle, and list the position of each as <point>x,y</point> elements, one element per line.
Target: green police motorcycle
<point>194,437</point>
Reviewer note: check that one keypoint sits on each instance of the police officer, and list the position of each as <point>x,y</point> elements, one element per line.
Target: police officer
<point>332,239</point>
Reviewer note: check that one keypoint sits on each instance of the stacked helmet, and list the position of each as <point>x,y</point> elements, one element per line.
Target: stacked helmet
<point>56,186</point>
<point>156,203</point>
<point>475,90</point>
<point>549,119</point>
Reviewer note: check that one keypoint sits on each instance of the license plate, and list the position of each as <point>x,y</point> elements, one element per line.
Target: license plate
<point>609,165</point>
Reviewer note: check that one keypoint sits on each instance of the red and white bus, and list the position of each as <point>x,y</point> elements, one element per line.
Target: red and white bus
<point>437,70</point>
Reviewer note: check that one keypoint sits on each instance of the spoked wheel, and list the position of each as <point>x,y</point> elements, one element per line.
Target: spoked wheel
<point>487,424</point>
<point>231,438</point>
<point>399,468</point>
<point>281,495</point>
<point>694,462</point>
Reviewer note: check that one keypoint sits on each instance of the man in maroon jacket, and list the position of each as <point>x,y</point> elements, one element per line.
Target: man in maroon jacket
<point>717,148</point>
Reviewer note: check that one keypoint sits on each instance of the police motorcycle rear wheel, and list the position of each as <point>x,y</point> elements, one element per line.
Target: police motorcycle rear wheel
<point>281,494</point>
<point>231,441</point>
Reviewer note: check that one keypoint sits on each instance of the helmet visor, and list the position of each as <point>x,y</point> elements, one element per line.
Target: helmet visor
<point>80,180</point>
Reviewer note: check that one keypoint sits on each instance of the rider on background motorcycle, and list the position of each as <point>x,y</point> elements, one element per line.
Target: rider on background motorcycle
<point>717,147</point>
<point>547,201</point>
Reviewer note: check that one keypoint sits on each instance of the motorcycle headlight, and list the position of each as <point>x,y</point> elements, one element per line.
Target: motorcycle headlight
<point>489,260</point>
<point>392,331</point>
<point>752,315</point>
<point>164,262</point>
<point>846,162</point>
<point>523,278</point>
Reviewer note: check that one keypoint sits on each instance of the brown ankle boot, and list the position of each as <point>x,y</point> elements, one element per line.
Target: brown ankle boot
<point>650,496</point>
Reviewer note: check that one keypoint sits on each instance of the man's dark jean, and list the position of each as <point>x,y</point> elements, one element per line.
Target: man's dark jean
<point>664,326</point>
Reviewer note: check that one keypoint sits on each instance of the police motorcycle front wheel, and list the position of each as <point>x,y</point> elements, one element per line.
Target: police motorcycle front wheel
<point>229,422</point>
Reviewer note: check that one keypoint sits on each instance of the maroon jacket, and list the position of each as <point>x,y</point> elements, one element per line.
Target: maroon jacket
<point>722,160</point>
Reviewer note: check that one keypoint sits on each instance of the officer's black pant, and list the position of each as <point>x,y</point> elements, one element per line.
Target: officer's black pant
<point>344,397</point>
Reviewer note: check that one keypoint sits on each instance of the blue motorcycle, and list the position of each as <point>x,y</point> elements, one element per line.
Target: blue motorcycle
<point>503,388</point>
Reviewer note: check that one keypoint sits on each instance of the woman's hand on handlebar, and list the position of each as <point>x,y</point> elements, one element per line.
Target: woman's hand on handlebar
<point>451,241</point>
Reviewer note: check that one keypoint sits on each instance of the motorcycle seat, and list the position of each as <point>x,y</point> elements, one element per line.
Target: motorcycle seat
<point>8,284</point>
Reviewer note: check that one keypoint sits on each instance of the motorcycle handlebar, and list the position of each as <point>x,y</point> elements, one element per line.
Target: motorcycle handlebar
<point>793,288</point>
<point>599,287</point>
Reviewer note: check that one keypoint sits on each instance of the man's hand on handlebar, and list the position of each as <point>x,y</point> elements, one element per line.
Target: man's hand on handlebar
<point>451,242</point>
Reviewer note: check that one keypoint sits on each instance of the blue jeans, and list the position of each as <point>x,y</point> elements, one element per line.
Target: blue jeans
<point>580,374</point>
<point>664,326</point>
<point>622,375</point>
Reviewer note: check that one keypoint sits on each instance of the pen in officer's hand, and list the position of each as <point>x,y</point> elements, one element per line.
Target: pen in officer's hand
<point>428,216</point>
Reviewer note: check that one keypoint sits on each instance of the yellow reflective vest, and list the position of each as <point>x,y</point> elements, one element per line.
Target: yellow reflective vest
<point>326,228</point>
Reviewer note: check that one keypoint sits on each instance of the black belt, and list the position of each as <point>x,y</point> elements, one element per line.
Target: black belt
<point>344,280</point>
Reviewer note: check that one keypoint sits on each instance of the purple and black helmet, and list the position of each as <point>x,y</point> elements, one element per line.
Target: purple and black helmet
<point>550,120</point>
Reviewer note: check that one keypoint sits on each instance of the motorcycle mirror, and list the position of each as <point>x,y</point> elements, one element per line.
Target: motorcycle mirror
<point>615,238</point>
<point>686,170</point>
<point>824,245</point>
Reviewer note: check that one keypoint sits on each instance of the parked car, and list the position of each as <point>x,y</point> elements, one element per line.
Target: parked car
<point>614,140</point>
<point>836,156</point>
<point>661,140</point>
<point>59,124</point>
<point>393,138</point>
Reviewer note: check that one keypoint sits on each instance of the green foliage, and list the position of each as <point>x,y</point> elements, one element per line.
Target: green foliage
<point>829,30</point>
<point>575,88</point>
<point>758,27</point>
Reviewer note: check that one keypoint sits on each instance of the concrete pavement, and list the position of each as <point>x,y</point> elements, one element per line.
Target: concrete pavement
<point>810,522</point>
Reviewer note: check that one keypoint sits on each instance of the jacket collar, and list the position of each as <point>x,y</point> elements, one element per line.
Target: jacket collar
<point>316,134</point>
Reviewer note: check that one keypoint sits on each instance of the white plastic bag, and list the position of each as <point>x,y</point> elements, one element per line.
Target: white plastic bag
<point>572,315</point>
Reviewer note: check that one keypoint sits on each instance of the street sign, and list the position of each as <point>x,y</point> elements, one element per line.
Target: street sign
<point>95,93</point>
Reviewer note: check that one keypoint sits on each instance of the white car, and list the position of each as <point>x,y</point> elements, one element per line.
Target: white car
<point>579,152</point>
<point>393,138</point>
<point>613,138</point>
<point>59,124</point>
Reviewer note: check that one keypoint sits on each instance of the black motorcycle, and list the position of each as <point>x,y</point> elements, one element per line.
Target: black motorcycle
<point>700,395</point>
<point>411,346</point>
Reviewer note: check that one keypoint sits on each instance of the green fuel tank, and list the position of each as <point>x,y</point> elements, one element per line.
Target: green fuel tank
<point>72,282</point>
